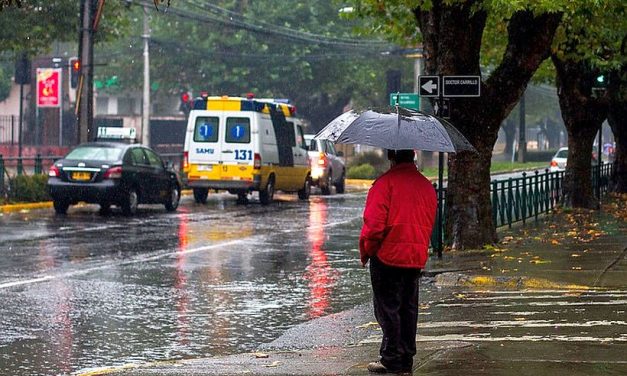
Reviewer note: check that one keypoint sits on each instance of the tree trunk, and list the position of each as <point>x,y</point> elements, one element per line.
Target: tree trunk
<point>617,118</point>
<point>583,112</point>
<point>452,42</point>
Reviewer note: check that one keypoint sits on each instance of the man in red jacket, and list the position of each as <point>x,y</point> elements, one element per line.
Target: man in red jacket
<point>398,219</point>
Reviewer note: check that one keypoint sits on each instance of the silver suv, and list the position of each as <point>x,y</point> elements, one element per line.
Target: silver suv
<point>327,165</point>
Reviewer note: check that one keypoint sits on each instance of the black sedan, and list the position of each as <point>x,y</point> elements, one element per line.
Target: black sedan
<point>110,173</point>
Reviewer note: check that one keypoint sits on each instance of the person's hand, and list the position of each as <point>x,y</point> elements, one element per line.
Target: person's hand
<point>364,261</point>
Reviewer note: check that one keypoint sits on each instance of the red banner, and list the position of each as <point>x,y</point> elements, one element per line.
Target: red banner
<point>48,87</point>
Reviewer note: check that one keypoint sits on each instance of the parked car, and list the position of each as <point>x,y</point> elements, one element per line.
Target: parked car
<point>558,162</point>
<point>113,173</point>
<point>327,165</point>
<point>560,159</point>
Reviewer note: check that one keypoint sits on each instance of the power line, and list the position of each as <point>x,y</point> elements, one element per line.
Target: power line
<point>276,31</point>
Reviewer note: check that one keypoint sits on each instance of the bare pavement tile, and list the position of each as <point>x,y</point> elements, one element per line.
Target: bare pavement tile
<point>549,299</point>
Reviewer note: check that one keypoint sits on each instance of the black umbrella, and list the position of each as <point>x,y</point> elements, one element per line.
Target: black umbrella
<point>395,128</point>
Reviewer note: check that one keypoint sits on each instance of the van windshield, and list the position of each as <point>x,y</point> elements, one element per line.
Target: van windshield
<point>238,130</point>
<point>206,129</point>
<point>562,154</point>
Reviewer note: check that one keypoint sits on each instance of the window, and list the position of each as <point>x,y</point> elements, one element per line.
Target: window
<point>290,133</point>
<point>139,158</point>
<point>314,145</point>
<point>238,130</point>
<point>206,129</point>
<point>300,138</point>
<point>331,148</point>
<point>153,158</point>
<point>95,153</point>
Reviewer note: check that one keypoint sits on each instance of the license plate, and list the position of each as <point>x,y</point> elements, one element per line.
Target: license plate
<point>81,176</point>
<point>205,168</point>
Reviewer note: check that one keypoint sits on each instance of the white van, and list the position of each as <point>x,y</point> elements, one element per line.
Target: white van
<point>243,145</point>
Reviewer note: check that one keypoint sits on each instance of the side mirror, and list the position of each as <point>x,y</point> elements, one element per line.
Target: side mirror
<point>340,154</point>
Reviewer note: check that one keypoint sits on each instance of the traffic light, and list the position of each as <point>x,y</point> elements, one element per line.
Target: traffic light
<point>22,70</point>
<point>186,102</point>
<point>75,72</point>
<point>600,81</point>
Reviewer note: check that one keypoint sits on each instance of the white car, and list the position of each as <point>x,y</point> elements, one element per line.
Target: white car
<point>558,162</point>
<point>327,165</point>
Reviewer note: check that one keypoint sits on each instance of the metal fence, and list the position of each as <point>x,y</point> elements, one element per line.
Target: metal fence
<point>518,199</point>
<point>9,131</point>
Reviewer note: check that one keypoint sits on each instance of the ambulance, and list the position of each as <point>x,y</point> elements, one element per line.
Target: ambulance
<point>242,145</point>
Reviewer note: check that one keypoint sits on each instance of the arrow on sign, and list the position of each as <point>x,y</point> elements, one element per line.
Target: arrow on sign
<point>429,86</point>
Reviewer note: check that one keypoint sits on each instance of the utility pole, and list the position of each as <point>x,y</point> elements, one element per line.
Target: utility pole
<point>146,97</point>
<point>522,139</point>
<point>85,96</point>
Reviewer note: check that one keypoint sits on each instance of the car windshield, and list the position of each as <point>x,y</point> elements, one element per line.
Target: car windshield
<point>562,154</point>
<point>95,153</point>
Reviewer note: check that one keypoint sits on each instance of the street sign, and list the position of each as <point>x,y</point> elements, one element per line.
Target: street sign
<point>461,86</point>
<point>429,86</point>
<point>48,87</point>
<point>407,100</point>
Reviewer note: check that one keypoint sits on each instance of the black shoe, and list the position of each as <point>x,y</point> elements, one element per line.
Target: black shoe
<point>377,367</point>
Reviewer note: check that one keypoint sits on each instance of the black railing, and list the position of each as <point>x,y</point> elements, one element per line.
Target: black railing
<point>518,199</point>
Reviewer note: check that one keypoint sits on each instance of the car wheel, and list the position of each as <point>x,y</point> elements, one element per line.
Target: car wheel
<point>105,208</point>
<point>200,195</point>
<point>130,202</point>
<point>304,193</point>
<point>60,207</point>
<point>326,186</point>
<point>267,195</point>
<point>175,198</point>
<point>339,187</point>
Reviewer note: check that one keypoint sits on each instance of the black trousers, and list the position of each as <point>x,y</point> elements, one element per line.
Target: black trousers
<point>395,296</point>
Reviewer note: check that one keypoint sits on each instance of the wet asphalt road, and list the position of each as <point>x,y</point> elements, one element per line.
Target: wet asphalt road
<point>82,290</point>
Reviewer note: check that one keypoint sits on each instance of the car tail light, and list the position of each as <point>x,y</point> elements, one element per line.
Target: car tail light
<point>257,162</point>
<point>322,160</point>
<point>113,173</point>
<point>185,160</point>
<point>54,172</point>
<point>553,163</point>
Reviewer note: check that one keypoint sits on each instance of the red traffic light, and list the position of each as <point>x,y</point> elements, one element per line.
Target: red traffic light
<point>76,65</point>
<point>185,97</point>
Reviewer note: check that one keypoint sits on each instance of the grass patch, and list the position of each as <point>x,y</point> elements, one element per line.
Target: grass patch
<point>496,167</point>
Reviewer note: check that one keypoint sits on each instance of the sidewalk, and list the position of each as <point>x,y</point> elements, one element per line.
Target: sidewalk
<point>550,299</point>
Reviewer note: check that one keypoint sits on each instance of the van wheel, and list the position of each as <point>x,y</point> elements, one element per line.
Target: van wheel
<point>267,195</point>
<point>60,207</point>
<point>200,195</point>
<point>173,201</point>
<point>242,198</point>
<point>130,202</point>
<point>304,192</point>
<point>339,187</point>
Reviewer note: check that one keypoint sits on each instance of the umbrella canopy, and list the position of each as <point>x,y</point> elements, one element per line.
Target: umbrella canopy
<point>396,129</point>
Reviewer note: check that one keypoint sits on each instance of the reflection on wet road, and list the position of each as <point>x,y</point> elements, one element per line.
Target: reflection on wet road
<point>83,290</point>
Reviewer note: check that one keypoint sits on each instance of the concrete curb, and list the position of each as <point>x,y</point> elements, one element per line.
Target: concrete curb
<point>508,282</point>
<point>12,208</point>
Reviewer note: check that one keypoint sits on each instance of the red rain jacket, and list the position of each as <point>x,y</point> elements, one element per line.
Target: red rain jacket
<point>398,218</point>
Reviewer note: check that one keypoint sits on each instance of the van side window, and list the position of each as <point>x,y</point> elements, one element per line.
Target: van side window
<point>314,145</point>
<point>238,130</point>
<point>290,132</point>
<point>206,129</point>
<point>300,137</point>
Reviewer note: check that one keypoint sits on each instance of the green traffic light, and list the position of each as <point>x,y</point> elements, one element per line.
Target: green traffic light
<point>601,79</point>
